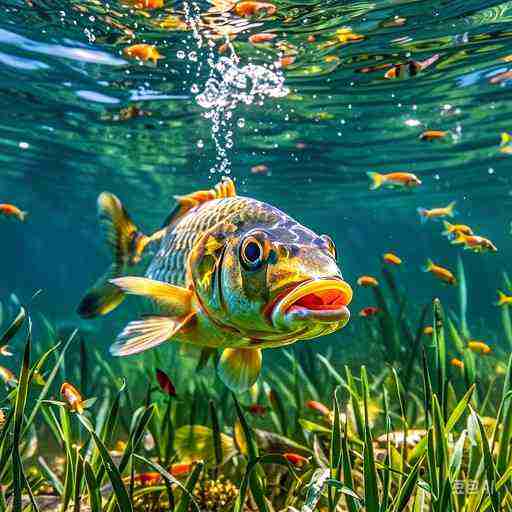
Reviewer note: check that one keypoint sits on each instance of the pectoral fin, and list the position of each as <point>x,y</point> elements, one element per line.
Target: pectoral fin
<point>175,299</point>
<point>239,368</point>
<point>147,333</point>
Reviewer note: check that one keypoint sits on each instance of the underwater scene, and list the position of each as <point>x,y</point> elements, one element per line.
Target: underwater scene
<point>256,256</point>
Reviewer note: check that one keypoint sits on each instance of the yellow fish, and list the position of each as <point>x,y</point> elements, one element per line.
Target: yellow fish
<point>436,213</point>
<point>453,230</point>
<point>228,272</point>
<point>475,243</point>
<point>479,347</point>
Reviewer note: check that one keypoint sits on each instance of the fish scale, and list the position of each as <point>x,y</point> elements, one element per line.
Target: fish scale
<point>169,262</point>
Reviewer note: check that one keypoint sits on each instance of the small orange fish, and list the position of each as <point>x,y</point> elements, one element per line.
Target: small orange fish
<point>259,169</point>
<point>430,135</point>
<point>296,459</point>
<point>7,376</point>
<point>479,347</point>
<point>501,77</point>
<point>452,230</point>
<point>367,281</point>
<point>311,38</point>
<point>2,419</point>
<point>457,363</point>
<point>257,410</point>
<point>436,213</point>
<point>393,179</point>
<point>391,258</point>
<point>284,62</point>
<point>261,38</point>
<point>148,4</point>
<point>503,299</point>
<point>143,52</point>
<point>411,68</point>
<point>249,8</point>
<point>346,35</point>
<point>180,469</point>
<point>73,397</point>
<point>440,272</point>
<point>369,311</point>
<point>475,243</point>
<point>148,479</point>
<point>9,210</point>
<point>4,351</point>
<point>318,407</point>
<point>428,330</point>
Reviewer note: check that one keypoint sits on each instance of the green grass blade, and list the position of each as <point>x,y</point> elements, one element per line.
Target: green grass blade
<point>217,443</point>
<point>459,409</point>
<point>93,488</point>
<point>184,504</point>
<point>463,297</point>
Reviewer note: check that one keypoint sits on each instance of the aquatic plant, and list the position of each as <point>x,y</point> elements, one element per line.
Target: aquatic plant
<point>310,436</point>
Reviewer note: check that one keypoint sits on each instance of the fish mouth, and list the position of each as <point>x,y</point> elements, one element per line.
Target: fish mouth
<point>323,300</point>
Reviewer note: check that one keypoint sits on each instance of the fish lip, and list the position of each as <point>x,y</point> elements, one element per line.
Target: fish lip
<point>289,310</point>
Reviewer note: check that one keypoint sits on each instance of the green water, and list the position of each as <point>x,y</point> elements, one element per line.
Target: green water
<point>64,81</point>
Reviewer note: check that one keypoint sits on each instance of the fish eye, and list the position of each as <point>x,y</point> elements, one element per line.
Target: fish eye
<point>251,253</point>
<point>331,247</point>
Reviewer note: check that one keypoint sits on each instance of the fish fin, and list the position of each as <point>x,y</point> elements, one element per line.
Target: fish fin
<point>103,297</point>
<point>147,333</point>
<point>239,368</point>
<point>428,266</point>
<point>376,180</point>
<point>423,213</point>
<point>23,215</point>
<point>223,189</point>
<point>175,299</point>
<point>447,228</point>
<point>450,209</point>
<point>121,234</point>
<point>459,239</point>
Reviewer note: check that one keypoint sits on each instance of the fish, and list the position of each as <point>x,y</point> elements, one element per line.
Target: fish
<point>479,347</point>
<point>165,383</point>
<point>7,376</point>
<point>503,299</point>
<point>430,135</point>
<point>143,52</point>
<point>285,61</point>
<point>259,169</point>
<point>296,459</point>
<point>2,419</point>
<point>9,210</point>
<point>391,258</point>
<point>410,68</point>
<point>257,409</point>
<point>249,8</point>
<point>393,179</point>
<point>428,330</point>
<point>318,407</point>
<point>367,281</point>
<point>452,230</point>
<point>369,311</point>
<point>457,363</point>
<point>72,397</point>
<point>436,213</point>
<point>227,272</point>
<point>506,141</point>
<point>346,35</point>
<point>4,351</point>
<point>262,37</point>
<point>474,243</point>
<point>440,272</point>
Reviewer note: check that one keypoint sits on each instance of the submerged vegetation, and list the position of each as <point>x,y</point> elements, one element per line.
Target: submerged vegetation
<point>421,433</point>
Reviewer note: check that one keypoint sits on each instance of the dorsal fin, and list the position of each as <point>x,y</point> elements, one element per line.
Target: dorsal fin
<point>223,189</point>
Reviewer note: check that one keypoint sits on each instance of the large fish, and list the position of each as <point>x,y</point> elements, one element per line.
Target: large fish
<point>228,272</point>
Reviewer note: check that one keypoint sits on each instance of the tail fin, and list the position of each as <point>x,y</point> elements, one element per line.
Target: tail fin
<point>23,216</point>
<point>423,213</point>
<point>376,180</point>
<point>428,266</point>
<point>447,228</point>
<point>127,244</point>
<point>502,298</point>
<point>506,138</point>
<point>450,209</point>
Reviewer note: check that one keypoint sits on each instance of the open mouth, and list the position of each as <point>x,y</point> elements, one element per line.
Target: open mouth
<point>319,300</point>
